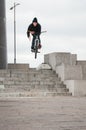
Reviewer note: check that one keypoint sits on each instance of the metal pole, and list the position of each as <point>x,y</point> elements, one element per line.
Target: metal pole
<point>14,34</point>
<point>14,7</point>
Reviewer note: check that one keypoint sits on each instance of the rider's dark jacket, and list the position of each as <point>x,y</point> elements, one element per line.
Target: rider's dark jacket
<point>36,29</point>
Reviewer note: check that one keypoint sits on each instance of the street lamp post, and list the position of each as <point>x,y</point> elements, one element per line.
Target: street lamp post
<point>14,7</point>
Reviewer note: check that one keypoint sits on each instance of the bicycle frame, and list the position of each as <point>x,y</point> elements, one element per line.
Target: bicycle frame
<point>36,46</point>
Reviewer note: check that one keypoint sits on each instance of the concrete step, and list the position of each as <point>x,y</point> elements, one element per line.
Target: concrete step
<point>33,76</point>
<point>36,82</point>
<point>46,71</point>
<point>34,94</point>
<point>30,70</point>
<point>35,86</point>
<point>34,89</point>
<point>39,77</point>
<point>29,79</point>
<point>27,75</point>
<point>31,83</point>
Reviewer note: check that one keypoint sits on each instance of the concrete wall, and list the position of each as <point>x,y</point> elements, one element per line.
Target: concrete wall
<point>77,87</point>
<point>83,65</point>
<point>18,66</point>
<point>51,60</point>
<point>71,71</point>
<point>56,59</point>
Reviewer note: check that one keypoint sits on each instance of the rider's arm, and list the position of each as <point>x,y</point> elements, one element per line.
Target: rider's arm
<point>28,34</point>
<point>29,30</point>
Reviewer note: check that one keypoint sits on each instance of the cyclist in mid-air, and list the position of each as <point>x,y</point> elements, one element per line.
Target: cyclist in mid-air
<point>34,29</point>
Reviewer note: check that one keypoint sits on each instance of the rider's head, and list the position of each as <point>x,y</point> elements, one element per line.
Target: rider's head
<point>35,21</point>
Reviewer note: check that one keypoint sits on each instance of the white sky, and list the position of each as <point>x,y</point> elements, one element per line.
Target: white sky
<point>64,20</point>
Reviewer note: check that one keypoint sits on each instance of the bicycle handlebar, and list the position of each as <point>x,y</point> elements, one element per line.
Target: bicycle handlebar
<point>43,31</point>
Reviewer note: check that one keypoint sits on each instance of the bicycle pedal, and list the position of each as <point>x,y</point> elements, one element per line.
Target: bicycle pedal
<point>32,50</point>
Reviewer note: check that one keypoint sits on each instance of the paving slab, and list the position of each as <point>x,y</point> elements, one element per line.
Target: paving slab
<point>57,113</point>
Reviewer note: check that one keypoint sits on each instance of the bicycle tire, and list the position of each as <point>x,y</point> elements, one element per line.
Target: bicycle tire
<point>36,50</point>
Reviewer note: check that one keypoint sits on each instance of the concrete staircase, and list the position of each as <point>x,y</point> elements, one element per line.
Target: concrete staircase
<point>31,83</point>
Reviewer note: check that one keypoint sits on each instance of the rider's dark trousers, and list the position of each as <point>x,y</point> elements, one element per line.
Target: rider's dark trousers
<point>33,41</point>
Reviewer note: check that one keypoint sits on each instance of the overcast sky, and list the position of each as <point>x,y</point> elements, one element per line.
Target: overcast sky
<point>64,20</point>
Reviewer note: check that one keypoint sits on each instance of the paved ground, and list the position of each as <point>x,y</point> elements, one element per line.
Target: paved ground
<point>60,113</point>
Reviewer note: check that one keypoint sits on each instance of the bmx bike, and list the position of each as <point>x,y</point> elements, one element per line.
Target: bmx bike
<point>37,44</point>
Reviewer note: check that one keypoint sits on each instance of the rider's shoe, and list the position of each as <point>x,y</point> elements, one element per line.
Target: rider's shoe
<point>39,46</point>
<point>33,50</point>
<point>38,52</point>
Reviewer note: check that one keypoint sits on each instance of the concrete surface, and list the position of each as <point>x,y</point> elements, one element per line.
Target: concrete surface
<point>76,87</point>
<point>43,66</point>
<point>57,58</point>
<point>69,72</point>
<point>60,113</point>
<point>83,65</point>
<point>18,66</point>
<point>31,82</point>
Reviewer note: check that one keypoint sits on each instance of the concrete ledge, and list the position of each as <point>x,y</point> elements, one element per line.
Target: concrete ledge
<point>83,65</point>
<point>76,87</point>
<point>57,58</point>
<point>18,66</point>
<point>69,72</point>
<point>44,66</point>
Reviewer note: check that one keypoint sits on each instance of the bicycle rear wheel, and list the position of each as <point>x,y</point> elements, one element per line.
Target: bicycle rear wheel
<point>36,50</point>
